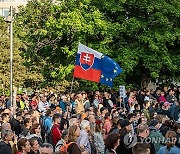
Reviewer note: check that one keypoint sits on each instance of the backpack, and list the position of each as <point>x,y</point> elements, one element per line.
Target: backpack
<point>49,137</point>
<point>44,128</point>
<point>64,147</point>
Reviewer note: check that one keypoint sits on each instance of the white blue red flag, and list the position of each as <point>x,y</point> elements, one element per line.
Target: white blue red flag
<point>94,66</point>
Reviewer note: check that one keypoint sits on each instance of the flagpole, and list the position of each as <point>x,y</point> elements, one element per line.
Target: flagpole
<point>72,82</point>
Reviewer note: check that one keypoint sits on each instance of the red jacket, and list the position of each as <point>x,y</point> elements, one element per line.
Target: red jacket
<point>56,133</point>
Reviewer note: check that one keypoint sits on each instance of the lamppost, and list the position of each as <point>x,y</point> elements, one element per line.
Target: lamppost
<point>10,20</point>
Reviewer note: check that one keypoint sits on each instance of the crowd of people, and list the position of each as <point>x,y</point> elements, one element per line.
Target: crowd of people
<point>95,122</point>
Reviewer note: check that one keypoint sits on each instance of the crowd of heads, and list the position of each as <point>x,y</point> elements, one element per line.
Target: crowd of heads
<point>91,122</point>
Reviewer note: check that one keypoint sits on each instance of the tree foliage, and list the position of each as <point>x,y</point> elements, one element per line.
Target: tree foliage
<point>146,38</point>
<point>21,74</point>
<point>143,36</point>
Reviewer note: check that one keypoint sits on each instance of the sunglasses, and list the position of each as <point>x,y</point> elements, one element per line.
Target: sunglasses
<point>46,145</point>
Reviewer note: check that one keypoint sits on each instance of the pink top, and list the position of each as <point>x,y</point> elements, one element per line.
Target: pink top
<point>107,126</point>
<point>162,99</point>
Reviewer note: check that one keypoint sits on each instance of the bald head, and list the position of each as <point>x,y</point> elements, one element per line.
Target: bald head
<point>7,111</point>
<point>6,126</point>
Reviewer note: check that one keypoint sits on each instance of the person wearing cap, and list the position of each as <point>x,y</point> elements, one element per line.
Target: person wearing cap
<point>125,130</point>
<point>33,105</point>
<point>63,103</point>
<point>155,134</point>
<point>165,109</point>
<point>98,137</point>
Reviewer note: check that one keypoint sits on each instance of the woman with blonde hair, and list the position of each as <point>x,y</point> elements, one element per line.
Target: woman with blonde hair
<point>170,144</point>
<point>73,134</point>
<point>132,101</point>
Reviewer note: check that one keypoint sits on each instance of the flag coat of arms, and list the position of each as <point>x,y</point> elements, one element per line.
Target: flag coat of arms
<point>94,66</point>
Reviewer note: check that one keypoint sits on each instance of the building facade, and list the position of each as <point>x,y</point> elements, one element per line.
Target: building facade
<point>5,5</point>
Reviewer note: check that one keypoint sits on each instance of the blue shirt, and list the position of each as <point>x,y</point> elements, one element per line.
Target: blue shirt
<point>48,123</point>
<point>173,150</point>
<point>63,105</point>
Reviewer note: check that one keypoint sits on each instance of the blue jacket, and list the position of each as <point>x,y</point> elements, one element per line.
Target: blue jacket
<point>63,105</point>
<point>173,150</point>
<point>174,111</point>
<point>48,123</point>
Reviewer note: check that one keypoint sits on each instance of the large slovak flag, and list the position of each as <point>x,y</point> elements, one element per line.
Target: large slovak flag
<point>94,66</point>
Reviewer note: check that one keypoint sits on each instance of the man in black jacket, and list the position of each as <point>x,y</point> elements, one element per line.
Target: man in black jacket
<point>143,133</point>
<point>140,98</point>
<point>16,123</point>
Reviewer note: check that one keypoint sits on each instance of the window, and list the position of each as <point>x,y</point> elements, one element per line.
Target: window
<point>5,12</point>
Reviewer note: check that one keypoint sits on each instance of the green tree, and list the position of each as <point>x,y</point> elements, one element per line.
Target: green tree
<point>146,38</point>
<point>51,34</point>
<point>141,35</point>
<point>21,74</point>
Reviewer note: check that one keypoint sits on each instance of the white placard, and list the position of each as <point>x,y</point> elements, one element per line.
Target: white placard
<point>122,91</point>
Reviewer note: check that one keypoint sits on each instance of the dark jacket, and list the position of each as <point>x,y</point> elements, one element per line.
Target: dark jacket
<point>164,129</point>
<point>5,148</point>
<point>143,140</point>
<point>122,148</point>
<point>140,99</point>
<point>178,139</point>
<point>16,126</point>
<point>63,122</point>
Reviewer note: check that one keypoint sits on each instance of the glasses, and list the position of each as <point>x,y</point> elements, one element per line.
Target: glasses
<point>46,145</point>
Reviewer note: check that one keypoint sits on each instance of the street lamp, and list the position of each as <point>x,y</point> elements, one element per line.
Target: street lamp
<point>10,20</point>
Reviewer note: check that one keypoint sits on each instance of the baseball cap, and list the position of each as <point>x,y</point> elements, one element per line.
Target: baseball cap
<point>33,103</point>
<point>166,104</point>
<point>154,122</point>
<point>124,123</point>
<point>102,109</point>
